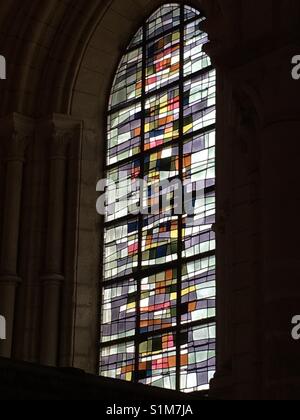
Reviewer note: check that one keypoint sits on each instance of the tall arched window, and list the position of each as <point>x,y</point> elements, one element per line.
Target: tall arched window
<point>158,288</point>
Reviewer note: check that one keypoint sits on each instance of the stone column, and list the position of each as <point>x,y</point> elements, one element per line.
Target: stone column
<point>265,359</point>
<point>281,267</point>
<point>276,99</point>
<point>281,289</point>
<point>54,258</point>
<point>9,279</point>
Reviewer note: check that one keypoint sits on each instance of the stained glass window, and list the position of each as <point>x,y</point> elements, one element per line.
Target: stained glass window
<point>158,288</point>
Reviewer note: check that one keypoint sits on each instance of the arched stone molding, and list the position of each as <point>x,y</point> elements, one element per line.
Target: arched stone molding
<point>49,55</point>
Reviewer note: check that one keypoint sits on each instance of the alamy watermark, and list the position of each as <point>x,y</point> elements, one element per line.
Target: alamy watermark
<point>296,67</point>
<point>150,197</point>
<point>2,68</point>
<point>2,328</point>
<point>296,328</point>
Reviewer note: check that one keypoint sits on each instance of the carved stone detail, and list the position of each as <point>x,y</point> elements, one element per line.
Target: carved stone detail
<point>60,142</point>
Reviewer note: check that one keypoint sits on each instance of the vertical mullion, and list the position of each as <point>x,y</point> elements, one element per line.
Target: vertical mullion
<point>141,218</point>
<point>180,217</point>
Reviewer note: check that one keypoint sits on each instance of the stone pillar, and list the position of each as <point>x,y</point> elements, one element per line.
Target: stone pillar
<point>54,258</point>
<point>257,357</point>
<point>265,359</point>
<point>281,268</point>
<point>14,157</point>
<point>276,98</point>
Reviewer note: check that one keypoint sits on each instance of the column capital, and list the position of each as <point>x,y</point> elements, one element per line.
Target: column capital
<point>16,148</point>
<point>52,279</point>
<point>62,132</point>
<point>10,279</point>
<point>59,143</point>
<point>16,134</point>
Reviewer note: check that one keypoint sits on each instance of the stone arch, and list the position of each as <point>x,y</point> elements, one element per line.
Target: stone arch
<point>50,54</point>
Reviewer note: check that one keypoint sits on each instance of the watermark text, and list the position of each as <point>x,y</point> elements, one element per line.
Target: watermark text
<point>296,328</point>
<point>2,68</point>
<point>2,328</point>
<point>141,196</point>
<point>296,67</point>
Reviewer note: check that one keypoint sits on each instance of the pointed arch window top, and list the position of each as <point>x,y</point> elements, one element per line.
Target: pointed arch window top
<point>164,19</point>
<point>190,12</point>
<point>137,39</point>
<point>153,58</point>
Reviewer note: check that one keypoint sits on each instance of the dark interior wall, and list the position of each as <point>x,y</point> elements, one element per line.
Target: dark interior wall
<point>61,57</point>
<point>22,381</point>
